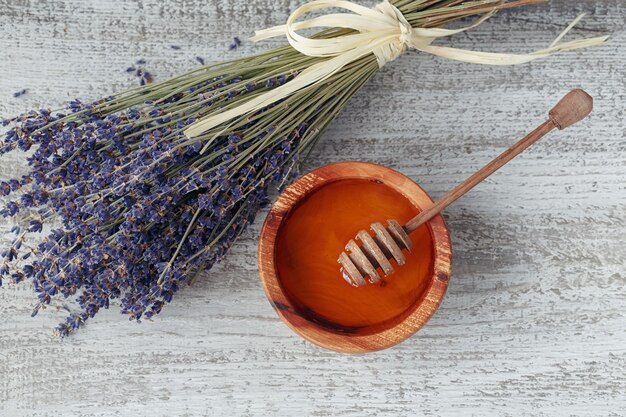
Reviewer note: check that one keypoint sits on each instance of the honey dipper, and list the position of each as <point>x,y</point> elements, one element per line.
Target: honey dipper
<point>361,264</point>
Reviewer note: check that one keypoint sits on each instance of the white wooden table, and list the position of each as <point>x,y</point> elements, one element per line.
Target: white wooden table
<point>534,322</point>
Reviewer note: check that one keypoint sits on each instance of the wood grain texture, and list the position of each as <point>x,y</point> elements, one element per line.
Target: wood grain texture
<point>534,319</point>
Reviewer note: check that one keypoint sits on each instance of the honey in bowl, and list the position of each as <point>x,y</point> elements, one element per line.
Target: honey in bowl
<point>315,233</point>
<point>304,234</point>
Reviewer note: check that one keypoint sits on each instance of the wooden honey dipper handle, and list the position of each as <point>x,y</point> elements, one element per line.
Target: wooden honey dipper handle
<point>574,107</point>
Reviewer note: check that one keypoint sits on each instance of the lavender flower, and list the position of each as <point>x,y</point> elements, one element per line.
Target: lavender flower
<point>144,76</point>
<point>236,43</point>
<point>143,208</point>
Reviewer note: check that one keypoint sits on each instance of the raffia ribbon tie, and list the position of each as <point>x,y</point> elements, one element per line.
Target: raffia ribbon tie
<point>382,31</point>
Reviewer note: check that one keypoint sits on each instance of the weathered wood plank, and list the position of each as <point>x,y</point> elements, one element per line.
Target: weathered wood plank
<point>533,323</point>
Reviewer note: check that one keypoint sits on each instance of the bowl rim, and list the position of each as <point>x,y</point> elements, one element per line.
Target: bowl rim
<point>344,342</point>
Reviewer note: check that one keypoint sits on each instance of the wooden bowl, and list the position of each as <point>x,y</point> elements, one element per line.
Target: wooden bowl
<point>325,334</point>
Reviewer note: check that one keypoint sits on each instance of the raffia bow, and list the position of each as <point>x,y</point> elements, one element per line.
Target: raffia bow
<point>382,31</point>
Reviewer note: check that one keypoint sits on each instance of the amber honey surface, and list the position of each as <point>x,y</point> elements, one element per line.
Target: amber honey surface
<point>315,233</point>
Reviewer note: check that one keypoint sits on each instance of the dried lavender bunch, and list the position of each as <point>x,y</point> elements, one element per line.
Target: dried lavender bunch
<point>144,208</point>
